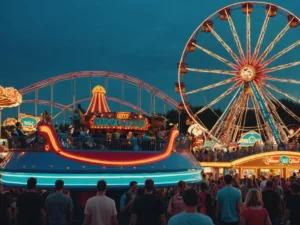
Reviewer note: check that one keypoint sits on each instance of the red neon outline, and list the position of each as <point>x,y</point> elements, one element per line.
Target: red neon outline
<point>107,158</point>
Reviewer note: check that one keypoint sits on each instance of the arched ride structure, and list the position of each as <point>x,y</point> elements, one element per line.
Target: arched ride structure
<point>69,107</point>
<point>138,84</point>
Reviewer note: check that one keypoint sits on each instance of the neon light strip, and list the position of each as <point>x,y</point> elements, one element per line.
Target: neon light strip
<point>265,112</point>
<point>103,176</point>
<point>75,180</point>
<point>45,129</point>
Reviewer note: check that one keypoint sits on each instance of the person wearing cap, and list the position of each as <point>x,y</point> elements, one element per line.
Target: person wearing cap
<point>148,209</point>
<point>100,209</point>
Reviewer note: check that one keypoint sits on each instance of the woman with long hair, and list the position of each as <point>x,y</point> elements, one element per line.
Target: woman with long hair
<point>205,200</point>
<point>176,204</point>
<point>254,213</point>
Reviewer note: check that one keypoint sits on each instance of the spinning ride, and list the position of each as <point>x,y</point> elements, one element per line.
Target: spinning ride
<point>117,160</point>
<point>249,81</point>
<point>9,97</point>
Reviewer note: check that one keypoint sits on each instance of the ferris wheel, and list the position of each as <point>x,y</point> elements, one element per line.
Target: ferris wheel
<point>244,76</point>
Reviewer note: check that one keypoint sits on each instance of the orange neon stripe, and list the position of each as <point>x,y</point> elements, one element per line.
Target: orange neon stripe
<point>156,158</point>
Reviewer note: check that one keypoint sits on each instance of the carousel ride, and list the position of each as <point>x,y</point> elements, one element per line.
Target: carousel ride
<point>166,161</point>
<point>251,82</point>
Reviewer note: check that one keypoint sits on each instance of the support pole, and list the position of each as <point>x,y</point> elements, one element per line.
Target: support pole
<point>36,102</point>
<point>74,92</point>
<point>52,93</point>
<point>165,108</point>
<point>64,119</point>
<point>153,104</point>
<point>123,89</point>
<point>140,97</point>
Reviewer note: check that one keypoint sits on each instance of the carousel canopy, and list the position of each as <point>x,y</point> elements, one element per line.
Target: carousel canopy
<point>9,97</point>
<point>98,103</point>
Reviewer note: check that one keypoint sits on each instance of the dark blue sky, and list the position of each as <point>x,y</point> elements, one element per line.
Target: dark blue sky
<point>40,39</point>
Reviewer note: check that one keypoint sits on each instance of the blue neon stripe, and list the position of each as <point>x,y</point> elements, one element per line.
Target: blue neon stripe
<point>89,180</point>
<point>265,112</point>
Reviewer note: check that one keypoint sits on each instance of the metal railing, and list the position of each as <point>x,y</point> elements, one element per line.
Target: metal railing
<point>106,144</point>
<point>26,143</point>
<point>218,156</point>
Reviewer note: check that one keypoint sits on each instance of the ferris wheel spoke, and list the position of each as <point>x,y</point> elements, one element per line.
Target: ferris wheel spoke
<point>281,67</point>
<point>282,92</point>
<point>282,80</point>
<point>274,99</point>
<point>224,72</point>
<point>273,43</point>
<point>227,48</point>
<point>265,110</point>
<point>222,117</point>
<point>236,37</point>
<point>226,93</point>
<point>248,34</point>
<point>211,86</point>
<point>281,53</point>
<point>261,36</point>
<point>227,62</point>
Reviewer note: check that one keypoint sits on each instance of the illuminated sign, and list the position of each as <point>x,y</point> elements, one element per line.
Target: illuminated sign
<point>249,139</point>
<point>29,122</point>
<point>100,122</point>
<point>123,115</point>
<point>283,160</point>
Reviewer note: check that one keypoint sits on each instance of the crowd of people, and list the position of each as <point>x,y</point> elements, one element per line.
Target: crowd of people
<point>225,201</point>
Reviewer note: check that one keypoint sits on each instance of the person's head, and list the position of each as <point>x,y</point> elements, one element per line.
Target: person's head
<point>204,186</point>
<point>269,184</point>
<point>204,176</point>
<point>253,198</point>
<point>292,179</point>
<point>250,183</point>
<point>149,185</point>
<point>101,186</point>
<point>133,186</point>
<point>181,186</point>
<point>31,183</point>
<point>190,198</point>
<point>59,185</point>
<point>263,178</point>
<point>295,187</point>
<point>228,179</point>
<point>18,125</point>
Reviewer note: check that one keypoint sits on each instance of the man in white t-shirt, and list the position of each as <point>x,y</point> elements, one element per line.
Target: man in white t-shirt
<point>100,210</point>
<point>263,183</point>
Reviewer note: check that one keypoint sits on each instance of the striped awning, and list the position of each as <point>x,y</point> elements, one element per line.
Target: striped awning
<point>98,103</point>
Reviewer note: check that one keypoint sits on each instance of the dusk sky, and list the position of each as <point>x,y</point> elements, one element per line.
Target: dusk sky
<point>144,39</point>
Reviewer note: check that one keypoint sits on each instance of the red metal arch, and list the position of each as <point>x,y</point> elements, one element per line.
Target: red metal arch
<point>88,74</point>
<point>70,107</point>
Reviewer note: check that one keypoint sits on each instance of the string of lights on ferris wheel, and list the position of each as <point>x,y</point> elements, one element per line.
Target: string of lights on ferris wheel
<point>249,75</point>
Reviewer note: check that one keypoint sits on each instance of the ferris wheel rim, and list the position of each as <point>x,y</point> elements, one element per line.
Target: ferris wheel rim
<point>193,35</point>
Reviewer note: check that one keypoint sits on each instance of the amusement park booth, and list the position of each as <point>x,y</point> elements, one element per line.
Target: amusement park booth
<point>283,163</point>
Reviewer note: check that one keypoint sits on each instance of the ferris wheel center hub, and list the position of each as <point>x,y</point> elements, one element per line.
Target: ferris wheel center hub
<point>248,73</point>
